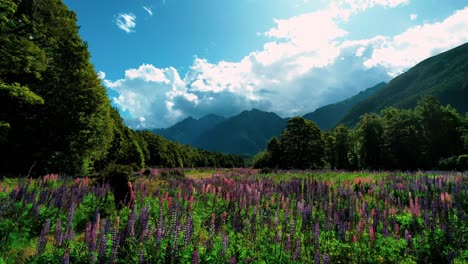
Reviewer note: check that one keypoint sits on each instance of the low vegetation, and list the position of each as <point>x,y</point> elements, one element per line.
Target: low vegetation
<point>238,216</point>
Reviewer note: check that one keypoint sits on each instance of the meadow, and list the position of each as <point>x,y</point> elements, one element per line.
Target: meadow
<point>238,216</point>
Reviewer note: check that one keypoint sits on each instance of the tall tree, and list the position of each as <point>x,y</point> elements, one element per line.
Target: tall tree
<point>302,144</point>
<point>370,135</point>
<point>441,136</point>
<point>42,51</point>
<point>341,136</point>
<point>402,139</point>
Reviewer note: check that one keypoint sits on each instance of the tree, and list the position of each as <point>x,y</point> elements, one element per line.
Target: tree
<point>402,139</point>
<point>274,149</point>
<point>43,55</point>
<point>328,138</point>
<point>370,136</point>
<point>341,136</point>
<point>302,145</point>
<point>441,133</point>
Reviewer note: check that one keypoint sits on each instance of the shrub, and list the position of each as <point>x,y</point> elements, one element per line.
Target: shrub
<point>118,177</point>
<point>462,162</point>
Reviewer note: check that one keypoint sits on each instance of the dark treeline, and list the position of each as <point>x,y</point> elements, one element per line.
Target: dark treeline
<point>55,115</point>
<point>430,136</point>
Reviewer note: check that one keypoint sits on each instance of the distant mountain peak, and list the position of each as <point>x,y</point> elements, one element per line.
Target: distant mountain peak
<point>211,116</point>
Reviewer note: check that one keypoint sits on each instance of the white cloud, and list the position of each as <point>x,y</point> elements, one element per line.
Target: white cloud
<point>147,9</point>
<point>413,17</point>
<point>345,8</point>
<point>101,75</point>
<point>306,63</point>
<point>402,51</point>
<point>126,22</point>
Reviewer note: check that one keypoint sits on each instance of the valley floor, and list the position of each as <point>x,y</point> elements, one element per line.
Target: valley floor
<point>238,216</point>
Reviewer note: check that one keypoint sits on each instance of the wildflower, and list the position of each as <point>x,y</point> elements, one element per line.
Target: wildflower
<point>43,237</point>
<point>195,256</point>
<point>66,257</point>
<point>326,258</point>
<point>58,236</point>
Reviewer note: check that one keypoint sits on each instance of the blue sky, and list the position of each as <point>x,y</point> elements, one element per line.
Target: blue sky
<point>164,60</point>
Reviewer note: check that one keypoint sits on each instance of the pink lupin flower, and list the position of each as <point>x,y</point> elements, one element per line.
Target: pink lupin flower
<point>191,202</point>
<point>416,206</point>
<point>169,202</point>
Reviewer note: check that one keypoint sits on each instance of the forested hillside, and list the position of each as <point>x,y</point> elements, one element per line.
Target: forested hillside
<point>427,137</point>
<point>328,116</point>
<point>444,76</point>
<point>55,115</point>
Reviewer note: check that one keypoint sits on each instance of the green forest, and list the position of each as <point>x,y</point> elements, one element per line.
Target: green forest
<point>430,136</point>
<point>55,115</point>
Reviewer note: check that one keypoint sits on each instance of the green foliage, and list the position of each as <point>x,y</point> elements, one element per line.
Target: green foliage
<point>443,76</point>
<point>302,145</point>
<point>61,119</point>
<point>262,160</point>
<point>17,94</point>
<point>370,136</point>
<point>118,176</point>
<point>160,152</point>
<point>4,127</point>
<point>329,116</point>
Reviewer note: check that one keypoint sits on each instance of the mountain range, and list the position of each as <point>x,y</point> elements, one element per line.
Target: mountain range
<point>444,76</point>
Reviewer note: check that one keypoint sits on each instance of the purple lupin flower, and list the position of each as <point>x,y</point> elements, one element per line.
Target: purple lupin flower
<point>408,237</point>
<point>43,237</point>
<point>232,260</point>
<point>326,258</point>
<point>188,230</point>
<point>287,243</point>
<point>225,242</point>
<point>316,233</point>
<point>58,235</point>
<point>131,225</point>
<point>70,235</point>
<point>66,257</point>
<point>87,236</point>
<point>115,246</point>
<point>195,256</point>
<point>159,234</point>
<point>318,258</point>
<point>142,257</point>
<point>102,250</point>
<point>297,251</point>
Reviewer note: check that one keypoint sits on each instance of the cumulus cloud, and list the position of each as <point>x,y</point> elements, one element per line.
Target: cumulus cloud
<point>398,53</point>
<point>345,8</point>
<point>306,63</point>
<point>413,17</point>
<point>126,22</point>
